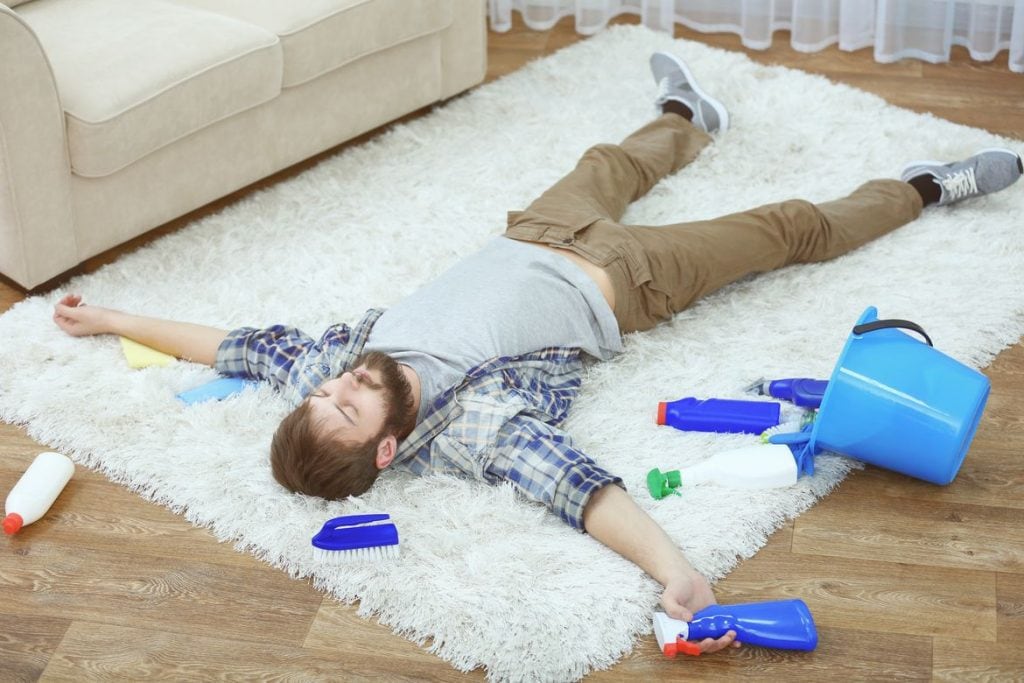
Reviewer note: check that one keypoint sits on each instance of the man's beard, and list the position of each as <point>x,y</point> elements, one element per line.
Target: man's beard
<point>399,418</point>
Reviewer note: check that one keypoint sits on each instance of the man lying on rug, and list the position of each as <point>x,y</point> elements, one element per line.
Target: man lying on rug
<point>474,372</point>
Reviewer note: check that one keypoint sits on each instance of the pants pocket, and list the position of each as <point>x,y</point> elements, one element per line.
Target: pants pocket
<point>555,230</point>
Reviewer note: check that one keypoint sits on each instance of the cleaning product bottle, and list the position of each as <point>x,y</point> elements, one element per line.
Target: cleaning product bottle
<point>761,466</point>
<point>801,391</point>
<point>719,415</point>
<point>35,492</point>
<point>783,624</point>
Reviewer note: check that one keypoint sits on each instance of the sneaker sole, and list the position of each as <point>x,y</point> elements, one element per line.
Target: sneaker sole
<point>723,113</point>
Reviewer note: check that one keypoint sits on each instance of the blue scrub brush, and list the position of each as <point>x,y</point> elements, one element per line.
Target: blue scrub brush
<point>357,537</point>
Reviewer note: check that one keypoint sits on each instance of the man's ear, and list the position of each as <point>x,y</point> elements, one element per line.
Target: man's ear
<point>386,450</point>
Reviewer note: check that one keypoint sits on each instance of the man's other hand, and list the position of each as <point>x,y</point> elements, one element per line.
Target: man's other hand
<point>689,593</point>
<point>79,320</point>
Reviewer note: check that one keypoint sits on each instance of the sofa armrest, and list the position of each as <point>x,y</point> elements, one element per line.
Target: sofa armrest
<point>37,236</point>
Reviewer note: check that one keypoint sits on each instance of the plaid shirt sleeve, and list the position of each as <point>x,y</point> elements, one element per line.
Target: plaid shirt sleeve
<point>540,460</point>
<point>267,353</point>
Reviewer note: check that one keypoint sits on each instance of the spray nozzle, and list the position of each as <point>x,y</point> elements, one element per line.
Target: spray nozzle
<point>662,484</point>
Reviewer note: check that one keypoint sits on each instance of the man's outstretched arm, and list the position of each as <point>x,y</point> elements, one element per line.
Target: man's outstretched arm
<point>197,343</point>
<point>613,517</point>
<point>540,460</point>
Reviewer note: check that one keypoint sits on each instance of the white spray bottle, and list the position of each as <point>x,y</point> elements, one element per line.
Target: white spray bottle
<point>763,466</point>
<point>35,492</point>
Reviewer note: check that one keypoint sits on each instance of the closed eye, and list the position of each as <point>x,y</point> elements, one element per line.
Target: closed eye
<point>345,415</point>
<point>322,394</point>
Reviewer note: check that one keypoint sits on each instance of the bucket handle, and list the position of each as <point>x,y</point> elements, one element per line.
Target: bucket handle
<point>864,328</point>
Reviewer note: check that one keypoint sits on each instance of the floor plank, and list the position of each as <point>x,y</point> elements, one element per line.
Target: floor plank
<point>91,513</point>
<point>363,638</point>
<point>961,660</point>
<point>1010,608</point>
<point>40,577</point>
<point>26,644</point>
<point>990,476</point>
<point>104,652</point>
<point>858,523</point>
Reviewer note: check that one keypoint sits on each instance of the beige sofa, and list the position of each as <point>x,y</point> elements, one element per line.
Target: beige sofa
<point>119,115</point>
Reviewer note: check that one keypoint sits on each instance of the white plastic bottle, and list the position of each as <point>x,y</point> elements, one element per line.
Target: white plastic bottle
<point>35,492</point>
<point>764,466</point>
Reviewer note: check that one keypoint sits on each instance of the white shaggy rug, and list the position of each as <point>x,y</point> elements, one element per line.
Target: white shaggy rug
<point>496,582</point>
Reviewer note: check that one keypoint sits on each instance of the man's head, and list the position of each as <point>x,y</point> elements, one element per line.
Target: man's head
<point>337,441</point>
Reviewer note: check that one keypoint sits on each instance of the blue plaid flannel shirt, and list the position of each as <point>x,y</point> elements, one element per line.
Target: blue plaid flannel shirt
<point>500,423</point>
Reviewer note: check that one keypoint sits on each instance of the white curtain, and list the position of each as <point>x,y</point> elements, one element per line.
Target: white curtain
<point>925,29</point>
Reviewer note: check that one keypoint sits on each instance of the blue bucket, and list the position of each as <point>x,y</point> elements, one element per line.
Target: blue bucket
<point>896,402</point>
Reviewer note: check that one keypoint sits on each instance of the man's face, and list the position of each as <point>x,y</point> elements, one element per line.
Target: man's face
<point>353,406</point>
<point>358,405</point>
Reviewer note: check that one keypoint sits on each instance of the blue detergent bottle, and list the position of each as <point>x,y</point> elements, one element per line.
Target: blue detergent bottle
<point>719,415</point>
<point>783,624</point>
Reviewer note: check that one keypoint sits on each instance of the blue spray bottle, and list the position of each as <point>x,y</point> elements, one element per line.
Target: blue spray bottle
<point>801,391</point>
<point>783,624</point>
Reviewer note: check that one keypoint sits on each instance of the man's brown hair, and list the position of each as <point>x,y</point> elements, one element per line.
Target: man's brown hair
<point>305,461</point>
<point>306,458</point>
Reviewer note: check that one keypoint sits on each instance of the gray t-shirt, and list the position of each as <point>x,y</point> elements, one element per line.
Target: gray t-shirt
<point>507,299</point>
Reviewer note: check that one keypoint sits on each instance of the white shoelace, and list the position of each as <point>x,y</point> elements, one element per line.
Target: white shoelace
<point>663,89</point>
<point>960,184</point>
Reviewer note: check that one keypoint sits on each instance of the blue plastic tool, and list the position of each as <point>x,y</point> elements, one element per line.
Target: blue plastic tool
<point>783,624</point>
<point>719,415</point>
<point>357,537</point>
<point>801,391</point>
<point>216,390</point>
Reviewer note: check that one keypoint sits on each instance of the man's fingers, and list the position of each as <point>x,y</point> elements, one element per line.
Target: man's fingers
<point>674,608</point>
<point>67,311</point>
<point>62,310</point>
<point>709,645</point>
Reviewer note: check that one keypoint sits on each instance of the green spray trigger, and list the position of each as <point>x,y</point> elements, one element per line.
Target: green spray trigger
<point>662,484</point>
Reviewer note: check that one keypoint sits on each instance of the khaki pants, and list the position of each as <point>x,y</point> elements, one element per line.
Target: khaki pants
<point>658,271</point>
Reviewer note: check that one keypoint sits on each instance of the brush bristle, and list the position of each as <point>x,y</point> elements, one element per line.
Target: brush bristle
<point>373,554</point>
<point>792,425</point>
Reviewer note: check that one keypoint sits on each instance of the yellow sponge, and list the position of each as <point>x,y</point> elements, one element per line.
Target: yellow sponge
<point>140,356</point>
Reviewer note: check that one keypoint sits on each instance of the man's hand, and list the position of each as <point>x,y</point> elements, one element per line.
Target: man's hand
<point>614,518</point>
<point>197,343</point>
<point>688,593</point>
<point>685,594</point>
<point>79,320</point>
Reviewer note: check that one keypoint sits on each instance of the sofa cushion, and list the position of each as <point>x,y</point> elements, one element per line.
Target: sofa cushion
<point>320,35</point>
<point>13,3</point>
<point>136,75</point>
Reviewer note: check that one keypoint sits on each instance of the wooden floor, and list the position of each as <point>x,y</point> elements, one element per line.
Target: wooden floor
<point>905,580</point>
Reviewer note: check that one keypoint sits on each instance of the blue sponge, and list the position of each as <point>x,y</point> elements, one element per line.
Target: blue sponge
<point>216,390</point>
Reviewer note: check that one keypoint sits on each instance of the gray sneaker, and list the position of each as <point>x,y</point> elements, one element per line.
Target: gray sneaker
<point>990,170</point>
<point>676,83</point>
